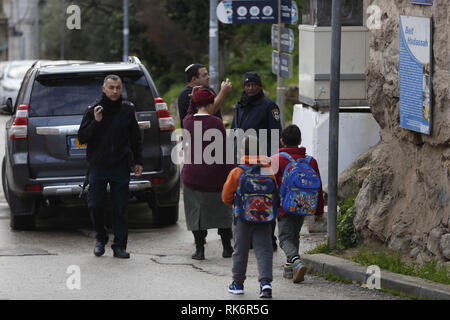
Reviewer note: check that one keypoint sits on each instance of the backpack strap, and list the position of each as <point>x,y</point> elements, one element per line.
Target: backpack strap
<point>248,168</point>
<point>307,159</point>
<point>288,156</point>
<point>244,167</point>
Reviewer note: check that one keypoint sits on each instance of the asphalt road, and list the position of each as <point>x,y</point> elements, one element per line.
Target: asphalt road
<point>56,261</point>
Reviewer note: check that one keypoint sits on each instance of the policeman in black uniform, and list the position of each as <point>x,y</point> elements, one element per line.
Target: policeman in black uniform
<point>110,129</point>
<point>256,111</point>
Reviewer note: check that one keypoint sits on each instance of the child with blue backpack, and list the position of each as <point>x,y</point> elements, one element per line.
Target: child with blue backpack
<point>301,194</point>
<point>253,192</point>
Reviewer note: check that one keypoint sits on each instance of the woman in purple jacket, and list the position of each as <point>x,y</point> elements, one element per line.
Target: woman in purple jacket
<point>204,174</point>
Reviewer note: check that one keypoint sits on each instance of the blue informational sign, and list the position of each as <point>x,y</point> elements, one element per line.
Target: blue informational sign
<point>257,11</point>
<point>286,37</point>
<point>424,2</point>
<point>415,73</point>
<point>282,63</point>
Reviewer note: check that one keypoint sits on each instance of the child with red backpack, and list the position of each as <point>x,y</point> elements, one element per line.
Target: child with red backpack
<point>253,192</point>
<point>298,178</point>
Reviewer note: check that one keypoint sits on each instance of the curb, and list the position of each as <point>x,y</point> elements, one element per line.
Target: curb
<point>353,271</point>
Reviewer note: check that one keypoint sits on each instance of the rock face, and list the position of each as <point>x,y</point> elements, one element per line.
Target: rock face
<point>404,200</point>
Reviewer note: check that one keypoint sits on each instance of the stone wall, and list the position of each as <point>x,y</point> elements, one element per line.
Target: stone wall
<point>404,201</point>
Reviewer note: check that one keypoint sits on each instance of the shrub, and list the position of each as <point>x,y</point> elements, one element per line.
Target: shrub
<point>346,232</point>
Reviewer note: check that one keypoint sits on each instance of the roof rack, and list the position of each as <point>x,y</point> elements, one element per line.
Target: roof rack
<point>36,64</point>
<point>133,59</point>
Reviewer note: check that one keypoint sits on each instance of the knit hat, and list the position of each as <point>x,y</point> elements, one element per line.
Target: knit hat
<point>203,97</point>
<point>252,77</point>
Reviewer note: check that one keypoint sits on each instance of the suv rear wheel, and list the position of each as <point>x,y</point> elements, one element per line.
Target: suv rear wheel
<point>23,211</point>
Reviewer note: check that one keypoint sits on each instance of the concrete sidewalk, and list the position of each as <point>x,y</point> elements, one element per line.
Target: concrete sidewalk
<point>350,270</point>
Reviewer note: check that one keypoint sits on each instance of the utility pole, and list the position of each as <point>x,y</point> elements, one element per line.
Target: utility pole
<point>36,30</point>
<point>333,151</point>
<point>126,31</point>
<point>213,46</point>
<point>280,81</point>
<point>63,29</point>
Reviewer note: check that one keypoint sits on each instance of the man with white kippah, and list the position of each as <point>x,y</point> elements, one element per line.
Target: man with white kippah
<point>197,75</point>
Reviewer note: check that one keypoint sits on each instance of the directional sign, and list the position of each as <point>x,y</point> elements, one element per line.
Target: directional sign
<point>287,64</point>
<point>287,38</point>
<point>256,11</point>
<point>224,11</point>
<point>289,12</point>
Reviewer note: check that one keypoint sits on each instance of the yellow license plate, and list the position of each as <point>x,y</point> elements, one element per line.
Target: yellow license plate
<point>75,144</point>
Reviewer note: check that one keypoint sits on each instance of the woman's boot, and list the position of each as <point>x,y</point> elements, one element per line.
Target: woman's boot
<point>199,237</point>
<point>226,236</point>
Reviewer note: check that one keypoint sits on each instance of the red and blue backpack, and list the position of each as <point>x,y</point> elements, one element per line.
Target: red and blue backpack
<point>257,199</point>
<point>300,187</point>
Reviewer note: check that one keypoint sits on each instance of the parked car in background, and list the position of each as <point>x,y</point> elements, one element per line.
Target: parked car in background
<point>44,161</point>
<point>3,65</point>
<point>11,76</point>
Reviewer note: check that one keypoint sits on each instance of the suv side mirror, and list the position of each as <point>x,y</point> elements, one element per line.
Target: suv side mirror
<point>7,107</point>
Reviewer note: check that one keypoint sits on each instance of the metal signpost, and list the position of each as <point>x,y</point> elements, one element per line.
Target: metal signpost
<point>282,64</point>
<point>213,46</point>
<point>281,98</point>
<point>333,150</point>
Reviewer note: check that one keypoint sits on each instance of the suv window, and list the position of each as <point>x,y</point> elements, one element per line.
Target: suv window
<point>22,90</point>
<point>65,95</point>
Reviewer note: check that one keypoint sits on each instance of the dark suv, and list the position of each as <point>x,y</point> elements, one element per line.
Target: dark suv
<point>44,161</point>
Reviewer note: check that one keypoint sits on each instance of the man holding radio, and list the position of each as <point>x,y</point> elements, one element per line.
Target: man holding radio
<point>111,132</point>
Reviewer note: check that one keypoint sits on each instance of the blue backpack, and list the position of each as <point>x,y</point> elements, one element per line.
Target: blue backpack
<point>300,187</point>
<point>257,199</point>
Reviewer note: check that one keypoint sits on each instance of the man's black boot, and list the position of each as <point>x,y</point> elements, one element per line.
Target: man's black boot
<point>99,249</point>
<point>121,253</point>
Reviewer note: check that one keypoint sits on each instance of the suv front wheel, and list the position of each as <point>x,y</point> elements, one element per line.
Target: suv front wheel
<point>23,211</point>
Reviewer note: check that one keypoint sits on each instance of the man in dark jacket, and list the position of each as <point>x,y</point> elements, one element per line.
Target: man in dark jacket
<point>258,112</point>
<point>110,129</point>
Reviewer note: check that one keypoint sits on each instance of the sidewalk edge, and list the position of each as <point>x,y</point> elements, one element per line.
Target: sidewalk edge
<point>350,270</point>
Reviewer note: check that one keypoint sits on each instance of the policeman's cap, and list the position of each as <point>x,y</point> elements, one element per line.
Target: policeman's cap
<point>252,77</point>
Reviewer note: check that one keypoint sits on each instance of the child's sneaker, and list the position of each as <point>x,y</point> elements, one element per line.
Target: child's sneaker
<point>288,272</point>
<point>236,288</point>
<point>265,289</point>
<point>299,270</point>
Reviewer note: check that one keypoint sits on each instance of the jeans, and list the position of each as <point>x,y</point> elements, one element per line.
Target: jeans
<point>118,179</point>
